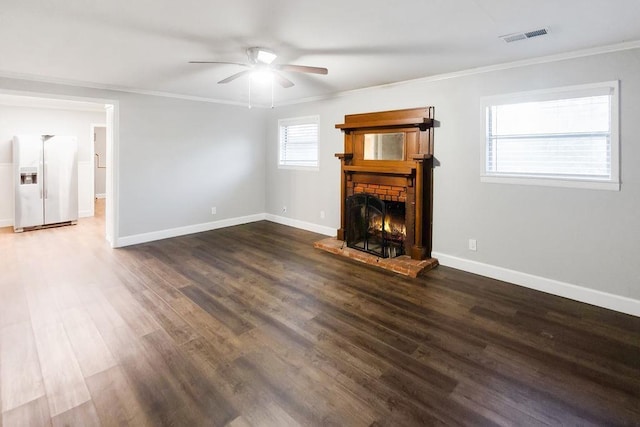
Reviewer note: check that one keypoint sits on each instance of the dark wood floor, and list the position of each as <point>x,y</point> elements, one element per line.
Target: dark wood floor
<point>251,326</point>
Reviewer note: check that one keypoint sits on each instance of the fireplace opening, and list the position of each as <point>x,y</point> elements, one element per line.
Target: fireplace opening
<point>375,226</point>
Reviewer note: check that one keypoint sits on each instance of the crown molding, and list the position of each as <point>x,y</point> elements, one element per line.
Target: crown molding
<point>102,86</point>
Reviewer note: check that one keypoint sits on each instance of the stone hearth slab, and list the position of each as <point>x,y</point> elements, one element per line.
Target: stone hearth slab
<point>402,265</point>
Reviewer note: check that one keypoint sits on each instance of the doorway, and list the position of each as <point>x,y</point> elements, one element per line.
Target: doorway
<point>100,161</point>
<point>21,104</point>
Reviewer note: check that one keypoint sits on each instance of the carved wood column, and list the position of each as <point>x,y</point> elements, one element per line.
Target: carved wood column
<point>345,159</point>
<point>418,251</point>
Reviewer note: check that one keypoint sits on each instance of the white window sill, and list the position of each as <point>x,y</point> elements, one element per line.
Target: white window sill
<point>300,168</point>
<point>551,182</point>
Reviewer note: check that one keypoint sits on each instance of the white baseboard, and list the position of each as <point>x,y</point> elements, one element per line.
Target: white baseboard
<point>199,228</point>
<point>85,214</point>
<point>315,228</point>
<point>101,196</point>
<point>6,222</point>
<point>189,229</point>
<point>550,286</point>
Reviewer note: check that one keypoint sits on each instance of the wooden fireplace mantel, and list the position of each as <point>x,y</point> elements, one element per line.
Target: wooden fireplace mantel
<point>412,173</point>
<point>413,117</point>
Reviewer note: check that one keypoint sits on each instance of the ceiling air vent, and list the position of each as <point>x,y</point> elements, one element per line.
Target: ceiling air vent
<point>526,35</point>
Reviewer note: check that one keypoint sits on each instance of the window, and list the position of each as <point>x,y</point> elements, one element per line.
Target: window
<point>559,137</point>
<point>298,143</point>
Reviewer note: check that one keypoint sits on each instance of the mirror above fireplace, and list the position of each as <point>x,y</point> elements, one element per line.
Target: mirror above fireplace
<point>384,146</point>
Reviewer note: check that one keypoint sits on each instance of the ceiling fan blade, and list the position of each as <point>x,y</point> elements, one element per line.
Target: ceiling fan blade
<point>234,76</point>
<point>301,69</point>
<point>282,80</point>
<point>219,62</point>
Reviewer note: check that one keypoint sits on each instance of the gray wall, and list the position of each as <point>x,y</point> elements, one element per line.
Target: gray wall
<point>584,237</point>
<point>178,158</point>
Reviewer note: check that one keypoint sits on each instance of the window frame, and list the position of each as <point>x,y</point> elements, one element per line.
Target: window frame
<point>555,180</point>
<point>314,119</point>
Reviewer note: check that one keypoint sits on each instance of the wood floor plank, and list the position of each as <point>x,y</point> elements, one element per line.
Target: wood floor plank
<point>217,310</point>
<point>255,403</point>
<point>91,352</point>
<point>13,300</point>
<point>152,383</point>
<point>20,375</point>
<point>63,379</point>
<point>32,414</point>
<point>200,394</point>
<point>84,415</point>
<point>115,401</point>
<point>130,310</point>
<point>167,317</point>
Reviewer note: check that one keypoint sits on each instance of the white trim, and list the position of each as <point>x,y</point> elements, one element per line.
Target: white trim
<point>550,182</point>
<point>101,196</point>
<point>550,286</point>
<point>296,223</point>
<point>85,198</point>
<point>93,85</point>
<point>6,170</point>
<point>189,229</point>
<point>112,216</point>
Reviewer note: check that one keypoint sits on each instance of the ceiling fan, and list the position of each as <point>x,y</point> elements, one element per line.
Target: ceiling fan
<point>260,62</point>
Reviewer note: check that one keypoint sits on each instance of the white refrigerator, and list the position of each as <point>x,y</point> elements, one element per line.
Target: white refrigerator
<point>46,180</point>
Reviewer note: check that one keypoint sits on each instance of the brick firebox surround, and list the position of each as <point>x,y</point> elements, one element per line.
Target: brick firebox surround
<point>389,193</point>
<point>405,177</point>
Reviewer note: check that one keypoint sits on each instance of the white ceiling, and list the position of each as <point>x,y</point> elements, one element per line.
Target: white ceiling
<point>144,45</point>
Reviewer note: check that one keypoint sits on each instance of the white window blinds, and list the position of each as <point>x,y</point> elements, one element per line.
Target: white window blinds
<point>298,142</point>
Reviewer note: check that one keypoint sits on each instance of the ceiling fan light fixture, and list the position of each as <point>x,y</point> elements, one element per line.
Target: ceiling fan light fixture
<point>260,55</point>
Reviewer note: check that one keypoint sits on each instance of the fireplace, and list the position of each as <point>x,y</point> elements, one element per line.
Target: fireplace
<point>376,226</point>
<point>386,177</point>
<point>386,191</point>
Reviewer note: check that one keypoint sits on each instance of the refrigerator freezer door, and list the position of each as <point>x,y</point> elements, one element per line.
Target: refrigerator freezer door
<point>27,164</point>
<point>60,179</point>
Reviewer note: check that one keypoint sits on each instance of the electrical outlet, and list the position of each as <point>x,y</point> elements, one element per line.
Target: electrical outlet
<point>213,210</point>
<point>473,245</point>
<point>321,214</point>
<point>284,209</point>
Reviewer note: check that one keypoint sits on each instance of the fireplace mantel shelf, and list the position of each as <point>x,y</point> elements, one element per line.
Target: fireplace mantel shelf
<point>381,170</point>
<point>422,122</point>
